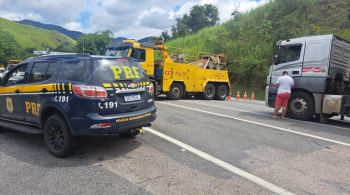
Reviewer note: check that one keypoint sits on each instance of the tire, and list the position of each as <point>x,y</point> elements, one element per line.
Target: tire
<point>221,92</point>
<point>58,139</point>
<point>176,91</point>
<point>129,134</point>
<point>301,106</point>
<point>209,91</point>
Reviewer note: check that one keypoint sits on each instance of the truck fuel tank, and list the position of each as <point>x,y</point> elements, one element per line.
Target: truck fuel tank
<point>332,104</point>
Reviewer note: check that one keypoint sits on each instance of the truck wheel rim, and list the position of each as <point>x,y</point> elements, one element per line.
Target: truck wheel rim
<point>55,136</point>
<point>176,91</point>
<point>210,91</point>
<point>222,92</point>
<point>299,106</point>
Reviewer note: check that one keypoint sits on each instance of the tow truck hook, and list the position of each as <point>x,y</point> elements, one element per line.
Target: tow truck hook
<point>142,131</point>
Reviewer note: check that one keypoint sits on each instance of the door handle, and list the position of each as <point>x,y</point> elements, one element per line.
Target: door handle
<point>295,72</point>
<point>44,90</point>
<point>17,91</point>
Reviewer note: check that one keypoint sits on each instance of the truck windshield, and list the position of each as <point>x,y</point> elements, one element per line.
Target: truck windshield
<point>289,53</point>
<point>119,52</point>
<point>114,70</point>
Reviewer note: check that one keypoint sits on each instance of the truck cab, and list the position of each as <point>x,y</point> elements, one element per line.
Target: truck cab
<point>319,66</point>
<point>177,74</point>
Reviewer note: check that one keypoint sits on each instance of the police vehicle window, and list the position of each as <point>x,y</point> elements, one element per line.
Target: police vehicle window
<point>139,54</point>
<point>73,71</point>
<point>16,76</point>
<point>114,70</point>
<point>289,53</point>
<point>53,67</point>
<point>38,72</point>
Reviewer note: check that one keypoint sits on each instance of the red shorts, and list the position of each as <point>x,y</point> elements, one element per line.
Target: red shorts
<point>282,100</point>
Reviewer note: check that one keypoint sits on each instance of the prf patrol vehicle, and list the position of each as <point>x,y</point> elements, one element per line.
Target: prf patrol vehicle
<point>320,66</point>
<point>178,72</point>
<point>68,95</point>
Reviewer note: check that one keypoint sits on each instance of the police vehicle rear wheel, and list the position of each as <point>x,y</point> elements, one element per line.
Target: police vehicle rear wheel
<point>209,91</point>
<point>57,137</point>
<point>176,91</point>
<point>221,92</point>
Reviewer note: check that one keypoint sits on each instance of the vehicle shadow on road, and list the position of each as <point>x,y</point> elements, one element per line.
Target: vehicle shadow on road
<point>90,150</point>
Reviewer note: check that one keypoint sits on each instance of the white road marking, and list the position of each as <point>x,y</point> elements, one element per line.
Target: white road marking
<point>250,177</point>
<point>261,124</point>
<point>258,113</point>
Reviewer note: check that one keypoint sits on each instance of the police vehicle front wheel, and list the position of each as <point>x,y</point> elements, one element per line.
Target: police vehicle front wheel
<point>57,137</point>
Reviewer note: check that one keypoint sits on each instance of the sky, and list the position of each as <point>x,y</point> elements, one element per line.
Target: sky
<point>126,18</point>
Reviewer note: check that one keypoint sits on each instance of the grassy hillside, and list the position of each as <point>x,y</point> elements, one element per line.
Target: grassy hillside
<point>249,40</point>
<point>30,38</point>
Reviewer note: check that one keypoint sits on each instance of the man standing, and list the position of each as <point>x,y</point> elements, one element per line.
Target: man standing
<point>284,85</point>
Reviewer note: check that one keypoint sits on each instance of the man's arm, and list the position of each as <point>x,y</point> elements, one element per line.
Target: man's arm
<point>277,84</point>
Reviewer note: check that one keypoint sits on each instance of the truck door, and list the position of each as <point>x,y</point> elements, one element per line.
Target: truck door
<point>289,58</point>
<point>11,100</point>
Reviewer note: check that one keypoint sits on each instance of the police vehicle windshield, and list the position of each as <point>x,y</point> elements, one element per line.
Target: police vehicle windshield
<point>114,70</point>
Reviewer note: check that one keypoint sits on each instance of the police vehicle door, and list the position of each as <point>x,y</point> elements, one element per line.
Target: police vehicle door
<point>38,89</point>
<point>11,102</point>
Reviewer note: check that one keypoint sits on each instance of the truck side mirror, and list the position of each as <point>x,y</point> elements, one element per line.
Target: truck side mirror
<point>276,60</point>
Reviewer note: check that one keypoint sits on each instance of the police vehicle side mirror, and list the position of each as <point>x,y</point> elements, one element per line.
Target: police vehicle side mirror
<point>276,60</point>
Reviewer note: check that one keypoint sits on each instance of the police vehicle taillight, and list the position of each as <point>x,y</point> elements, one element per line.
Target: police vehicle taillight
<point>151,89</point>
<point>89,91</point>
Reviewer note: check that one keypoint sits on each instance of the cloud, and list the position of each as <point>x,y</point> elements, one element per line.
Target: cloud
<point>132,18</point>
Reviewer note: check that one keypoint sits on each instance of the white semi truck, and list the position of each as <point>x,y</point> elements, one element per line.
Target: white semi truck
<point>320,66</point>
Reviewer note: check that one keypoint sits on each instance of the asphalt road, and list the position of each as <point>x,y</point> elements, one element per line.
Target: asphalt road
<point>194,147</point>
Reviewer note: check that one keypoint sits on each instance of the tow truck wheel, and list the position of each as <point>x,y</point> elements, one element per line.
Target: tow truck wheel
<point>209,91</point>
<point>176,91</point>
<point>221,92</point>
<point>129,134</point>
<point>57,137</point>
<point>301,106</point>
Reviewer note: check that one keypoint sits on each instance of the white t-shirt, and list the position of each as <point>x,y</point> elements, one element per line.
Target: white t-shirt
<point>285,84</point>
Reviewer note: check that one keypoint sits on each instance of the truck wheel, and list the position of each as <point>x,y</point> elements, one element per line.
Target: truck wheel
<point>57,137</point>
<point>129,134</point>
<point>221,92</point>
<point>301,106</point>
<point>209,91</point>
<point>176,91</point>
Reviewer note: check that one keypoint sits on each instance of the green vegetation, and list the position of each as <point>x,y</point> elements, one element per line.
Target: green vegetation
<point>248,39</point>
<point>200,16</point>
<point>94,43</point>
<point>31,38</point>
<point>9,48</point>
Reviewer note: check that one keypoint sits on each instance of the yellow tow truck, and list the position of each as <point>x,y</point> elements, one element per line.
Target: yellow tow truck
<point>178,72</point>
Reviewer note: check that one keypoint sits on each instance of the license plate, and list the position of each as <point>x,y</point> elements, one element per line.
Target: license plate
<point>132,98</point>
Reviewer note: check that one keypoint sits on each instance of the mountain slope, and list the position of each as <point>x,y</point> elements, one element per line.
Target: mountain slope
<point>248,41</point>
<point>30,38</point>
<point>72,34</point>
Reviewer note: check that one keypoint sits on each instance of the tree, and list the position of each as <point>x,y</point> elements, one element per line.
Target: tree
<point>9,48</point>
<point>94,43</point>
<point>200,16</point>
<point>165,35</point>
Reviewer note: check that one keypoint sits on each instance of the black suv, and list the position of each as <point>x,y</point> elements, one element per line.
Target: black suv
<point>64,96</point>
